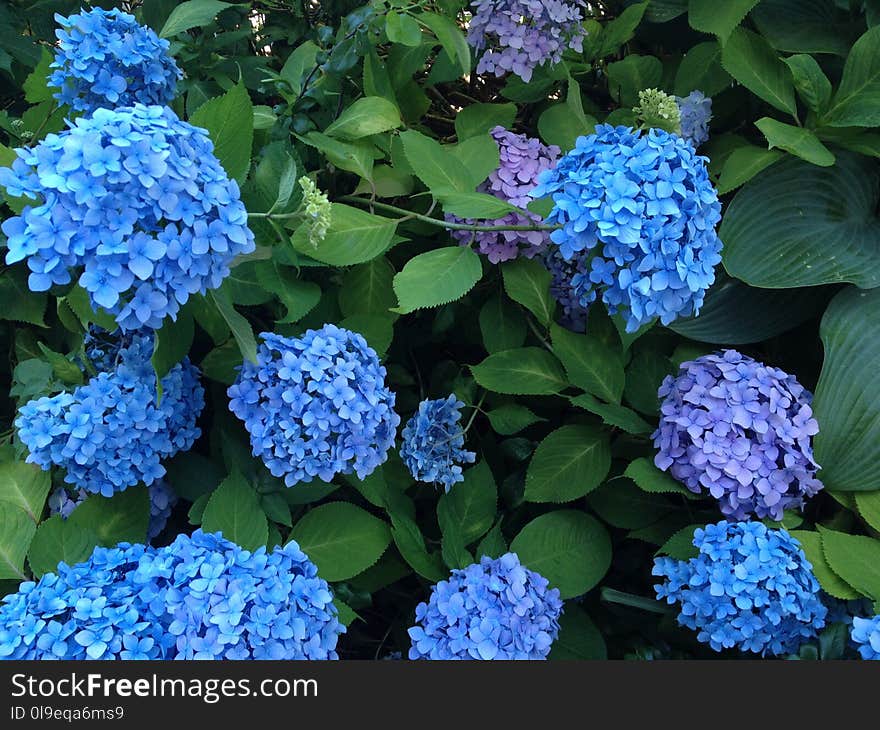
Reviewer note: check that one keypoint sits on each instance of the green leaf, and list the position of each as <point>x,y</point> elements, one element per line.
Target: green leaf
<point>65,370</point>
<point>191,475</point>
<point>810,81</point>
<point>16,532</point>
<point>613,414</point>
<point>59,541</point>
<point>264,117</point>
<point>366,116</point>
<point>743,164</point>
<point>78,300</point>
<point>276,508</point>
<point>720,19</point>
<point>368,289</point>
<point>25,486</point>
<point>356,156</point>
<point>643,377</point>
<point>633,74</point>
<point>568,547</point>
<point>847,401</point>
<point>622,28</point>
<point>192,14</point>
<point>17,302</point>
<point>831,583</point>
<point>868,504</point>
<point>750,60</point>
<point>621,504</point>
<point>299,297</point>
<point>221,363</point>
<point>275,175</point>
<point>493,545</point>
<point>476,205</point>
<point>558,125</point>
<point>805,26</point>
<point>238,325</point>
<point>434,166</point>
<point>701,69</point>
<point>569,463</point>
<point>855,559</point>
<point>436,277</point>
<point>172,343</point>
<point>354,237</point>
<point>578,639</point>
<point>857,101</point>
<point>797,140</point>
<point>411,544</point>
<point>528,282</point>
<point>121,518</point>
<point>800,225</point>
<point>450,37</point>
<point>402,28</point>
<point>299,65</point>
<point>229,120</point>
<point>470,506</point>
<point>512,418</point>
<point>35,86</point>
<point>650,479</point>
<point>477,119</point>
<point>523,371</point>
<point>591,364</point>
<point>341,539</point>
<point>479,155</point>
<point>234,509</point>
<point>377,329</point>
<point>501,325</point>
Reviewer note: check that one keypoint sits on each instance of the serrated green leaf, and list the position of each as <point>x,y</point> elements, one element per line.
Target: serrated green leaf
<point>234,509</point>
<point>857,101</point>
<point>511,418</point>
<point>229,120</point>
<point>523,371</point>
<point>613,414</point>
<point>701,69</point>
<point>354,237</point>
<point>591,364</point>
<point>192,14</point>
<point>367,289</point>
<point>855,559</point>
<point>796,140</point>
<point>450,37</point>
<point>436,277</point>
<point>650,479</point>
<point>717,18</point>
<point>569,463</point>
<point>17,302</point>
<point>25,486</point>
<point>810,81</point>
<point>469,506</point>
<point>121,518</point>
<point>16,532</point>
<point>578,639</point>
<point>172,343</point>
<point>501,325</point>
<point>238,325</point>
<point>477,119</point>
<point>58,541</point>
<point>365,116</point>
<point>831,583</point>
<point>626,78</point>
<point>528,283</point>
<point>750,60</point>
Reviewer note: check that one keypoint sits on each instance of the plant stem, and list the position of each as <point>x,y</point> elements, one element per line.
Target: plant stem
<point>474,414</point>
<point>441,223</point>
<point>630,599</point>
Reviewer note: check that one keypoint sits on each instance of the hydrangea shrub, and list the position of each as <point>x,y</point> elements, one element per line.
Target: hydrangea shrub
<point>482,308</point>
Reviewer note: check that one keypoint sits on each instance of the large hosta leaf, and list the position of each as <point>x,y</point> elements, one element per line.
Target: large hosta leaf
<point>796,224</point>
<point>847,402</point>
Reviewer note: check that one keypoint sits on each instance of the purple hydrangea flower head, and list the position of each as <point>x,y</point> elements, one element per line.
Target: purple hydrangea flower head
<point>865,635</point>
<point>104,58</point>
<point>519,35</point>
<point>316,405</point>
<point>740,430</point>
<point>749,587</point>
<point>202,597</point>
<point>574,314</point>
<point>639,212</point>
<point>132,202</point>
<point>522,158</point>
<point>433,441</point>
<point>696,113</point>
<point>494,609</point>
<point>113,432</point>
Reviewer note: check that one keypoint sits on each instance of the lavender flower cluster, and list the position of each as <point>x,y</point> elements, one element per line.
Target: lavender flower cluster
<point>432,443</point>
<point>494,609</point>
<point>750,587</point>
<point>740,430</point>
<point>574,314</point>
<point>113,432</point>
<point>202,597</point>
<point>135,202</point>
<point>522,158</point>
<point>695,111</point>
<point>104,58</point>
<point>162,500</point>
<point>519,35</point>
<point>640,211</point>
<point>316,405</point>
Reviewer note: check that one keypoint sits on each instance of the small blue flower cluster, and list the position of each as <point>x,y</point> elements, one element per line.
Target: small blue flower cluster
<point>112,432</point>
<point>741,430</point>
<point>494,609</point>
<point>104,58</point>
<point>695,110</point>
<point>202,597</point>
<point>433,441</point>
<point>574,315</point>
<point>750,587</point>
<point>162,500</point>
<point>135,201</point>
<point>640,210</point>
<point>866,636</point>
<point>316,405</point>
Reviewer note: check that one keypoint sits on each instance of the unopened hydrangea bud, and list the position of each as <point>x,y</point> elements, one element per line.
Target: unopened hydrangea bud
<point>658,109</point>
<point>316,208</point>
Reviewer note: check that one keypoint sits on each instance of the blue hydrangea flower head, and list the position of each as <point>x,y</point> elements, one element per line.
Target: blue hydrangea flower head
<point>517,36</point>
<point>494,609</point>
<point>104,58</point>
<point>562,271</point>
<point>750,587</point>
<point>133,203</point>
<point>432,443</point>
<point>740,430</point>
<point>521,159</point>
<point>202,597</point>
<point>316,405</point>
<point>162,500</point>
<point>113,432</point>
<point>638,212</point>
<point>866,636</point>
<point>696,113</point>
